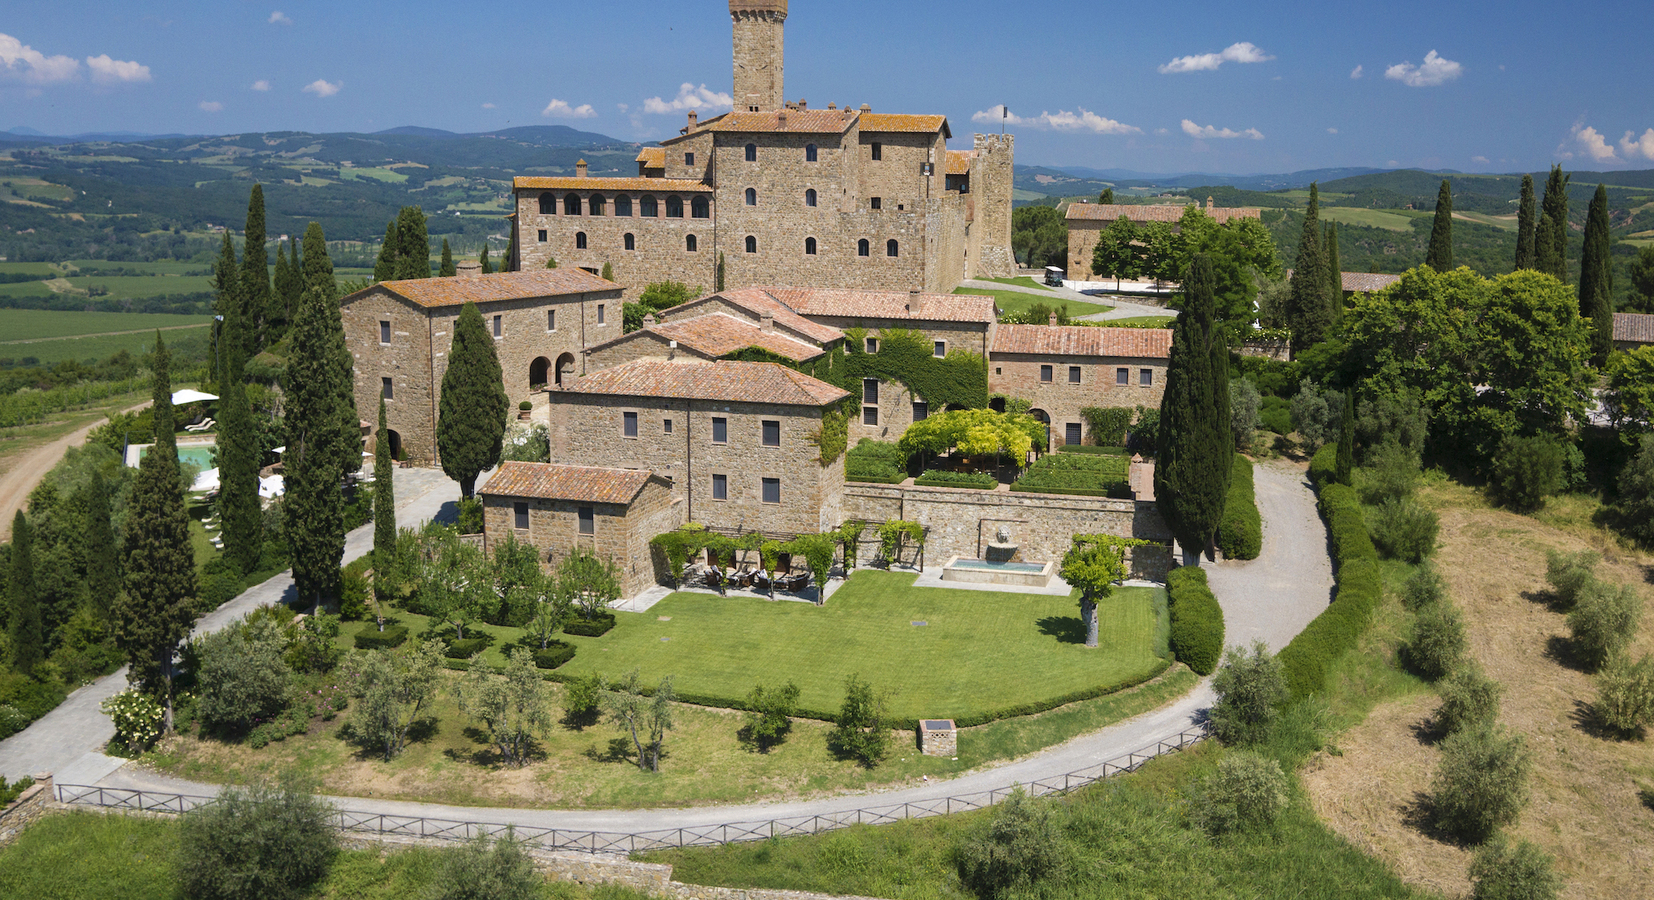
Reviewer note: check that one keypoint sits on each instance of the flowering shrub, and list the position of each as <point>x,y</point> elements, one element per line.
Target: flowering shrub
<point>330,700</point>
<point>137,718</point>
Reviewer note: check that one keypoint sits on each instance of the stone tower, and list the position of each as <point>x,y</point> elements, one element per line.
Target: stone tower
<point>758,53</point>
<point>992,166</point>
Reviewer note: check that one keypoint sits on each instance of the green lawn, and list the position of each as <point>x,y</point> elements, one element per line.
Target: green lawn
<point>28,268</point>
<point>1390,219</point>
<point>38,324</point>
<point>1022,280</point>
<point>1018,301</point>
<point>1157,321</point>
<point>137,287</point>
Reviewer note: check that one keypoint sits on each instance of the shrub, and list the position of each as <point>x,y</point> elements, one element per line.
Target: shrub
<point>875,461</point>
<point>1392,474</point>
<point>1275,414</point>
<point>1145,432</point>
<point>1317,415</point>
<point>1603,622</point>
<point>1243,412</point>
<point>1196,620</point>
<point>371,638</point>
<point>10,792</point>
<point>1360,585</point>
<point>1636,503</point>
<point>1082,474</point>
<point>486,869</point>
<point>1480,784</point>
<point>1021,844</point>
<point>1108,424</point>
<point>1323,466</point>
<point>1526,471</point>
<point>525,406</point>
<point>1625,694</point>
<point>219,588</point>
<point>1405,530</point>
<point>582,698</point>
<point>939,478</point>
<point>137,718</point>
<point>1502,871</point>
<point>1247,792</point>
<point>353,596</point>
<point>469,647</point>
<point>1569,573</point>
<point>1094,451</point>
<point>596,626</point>
<point>259,843</point>
<point>555,654</point>
<point>1469,699</point>
<point>1249,688</point>
<point>1438,643</point>
<point>470,515</point>
<point>1424,587</point>
<point>240,675</point>
<point>1240,533</point>
<point>769,716</point>
<point>862,733</point>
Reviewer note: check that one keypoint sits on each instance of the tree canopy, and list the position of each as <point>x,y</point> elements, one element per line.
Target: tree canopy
<point>975,432</point>
<point>1191,476</point>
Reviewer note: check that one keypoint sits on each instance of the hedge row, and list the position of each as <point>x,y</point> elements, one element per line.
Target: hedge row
<point>1240,534</point>
<point>1197,620</point>
<point>1360,585</point>
<point>874,479</point>
<point>1119,490</point>
<point>371,638</point>
<point>597,626</point>
<point>555,654</point>
<point>1323,467</point>
<point>1089,450</point>
<point>938,478</point>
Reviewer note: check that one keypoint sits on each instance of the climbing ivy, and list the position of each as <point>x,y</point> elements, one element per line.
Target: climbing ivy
<point>960,381</point>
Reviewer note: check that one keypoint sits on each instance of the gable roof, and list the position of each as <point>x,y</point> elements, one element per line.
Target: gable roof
<point>581,484</point>
<point>610,184</point>
<point>883,304</point>
<point>716,334</point>
<point>898,123</point>
<point>959,162</point>
<point>1635,328</point>
<point>439,292</point>
<point>653,157</point>
<point>1108,212</point>
<point>1083,340</point>
<point>804,121</point>
<point>735,382</point>
<point>757,302</point>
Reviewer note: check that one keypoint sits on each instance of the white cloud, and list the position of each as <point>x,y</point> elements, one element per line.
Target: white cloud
<point>261,85</point>
<point>1207,132</point>
<point>700,99</point>
<point>1481,159</point>
<point>1435,71</point>
<point>1061,120</point>
<point>1332,131</point>
<point>321,87</point>
<point>113,71</point>
<point>1638,146</point>
<point>1594,144</point>
<point>280,18</point>
<point>488,106</point>
<point>1243,52</point>
<point>1357,72</point>
<point>1162,131</point>
<point>562,110</point>
<point>35,67</point>
<point>211,106</point>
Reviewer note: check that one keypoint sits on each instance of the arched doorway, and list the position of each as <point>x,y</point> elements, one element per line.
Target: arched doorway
<point>539,372</point>
<point>1041,417</point>
<point>565,368</point>
<point>395,443</point>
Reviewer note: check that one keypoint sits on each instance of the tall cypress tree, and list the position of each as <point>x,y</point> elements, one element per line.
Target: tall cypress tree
<point>1596,278</point>
<point>280,285</point>
<point>153,615</point>
<point>1551,235</point>
<point>1308,309</point>
<point>1346,439</point>
<point>24,627</point>
<point>255,276</point>
<point>1440,254</point>
<point>103,574</point>
<point>238,457</point>
<point>413,258</point>
<point>471,417</point>
<point>384,502</point>
<point>1525,226</point>
<point>227,290</point>
<point>1191,477</point>
<point>447,269</point>
<point>1335,275</point>
<point>322,435</point>
<point>487,267</point>
<point>384,268</point>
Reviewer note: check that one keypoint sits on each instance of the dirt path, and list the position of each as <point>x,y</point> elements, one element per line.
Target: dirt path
<point>29,468</point>
<point>76,337</point>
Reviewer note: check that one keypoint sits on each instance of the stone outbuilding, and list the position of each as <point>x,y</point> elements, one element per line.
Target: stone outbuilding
<point>1633,330</point>
<point>1087,222</point>
<point>1062,369</point>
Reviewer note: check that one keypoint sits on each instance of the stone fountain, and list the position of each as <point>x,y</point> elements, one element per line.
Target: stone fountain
<point>1001,548</point>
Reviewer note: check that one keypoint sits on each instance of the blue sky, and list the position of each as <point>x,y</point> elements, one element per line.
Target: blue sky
<point>1158,87</point>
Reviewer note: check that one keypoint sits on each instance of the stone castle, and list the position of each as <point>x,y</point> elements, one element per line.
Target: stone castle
<point>782,194</point>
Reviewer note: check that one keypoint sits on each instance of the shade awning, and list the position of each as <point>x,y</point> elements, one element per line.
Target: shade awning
<point>190,395</point>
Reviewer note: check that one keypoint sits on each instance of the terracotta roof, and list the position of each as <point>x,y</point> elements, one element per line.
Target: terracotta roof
<point>889,122</point>
<point>1637,328</point>
<point>719,333</point>
<point>757,302</point>
<point>811,121</point>
<point>884,304</point>
<point>653,157</point>
<point>1109,212</point>
<point>581,484</point>
<point>959,162</point>
<point>434,292</point>
<point>1083,340</point>
<point>610,184</point>
<point>736,382</point>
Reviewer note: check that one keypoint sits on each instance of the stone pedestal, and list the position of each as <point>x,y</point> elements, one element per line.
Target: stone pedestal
<point>938,737</point>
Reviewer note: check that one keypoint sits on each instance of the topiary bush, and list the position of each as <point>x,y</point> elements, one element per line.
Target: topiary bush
<point>596,626</point>
<point>1469,699</point>
<point>1521,871</point>
<point>1240,533</point>
<point>1603,622</point>
<point>469,647</point>
<point>555,654</point>
<point>1323,466</point>
<point>1405,530</point>
<point>1438,643</point>
<point>939,478</point>
<point>1196,620</point>
<point>371,638</point>
<point>1247,792</point>
<point>1481,783</point>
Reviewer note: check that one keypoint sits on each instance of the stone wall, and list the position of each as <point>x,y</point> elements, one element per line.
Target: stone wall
<point>660,244</point>
<point>759,53</point>
<point>1018,375</point>
<point>27,809</point>
<point>1281,350</point>
<point>990,253</point>
<point>619,533</point>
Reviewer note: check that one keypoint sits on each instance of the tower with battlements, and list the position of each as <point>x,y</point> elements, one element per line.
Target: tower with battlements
<point>758,25</point>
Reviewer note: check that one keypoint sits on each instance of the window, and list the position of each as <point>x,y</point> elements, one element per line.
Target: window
<point>628,424</point>
<point>809,246</point>
<point>870,390</point>
<point>772,490</point>
<point>752,196</point>
<point>384,332</point>
<point>387,389</point>
<point>1146,378</point>
<point>891,248</point>
<point>579,240</point>
<point>720,430</point>
<point>921,410</point>
<point>600,311</point>
<point>1122,376</point>
<point>666,426</point>
<point>870,415</point>
<point>752,153</point>
<point>542,235</point>
<point>521,510</point>
<point>939,349</point>
<point>631,241</point>
<point>571,204</point>
<point>871,345</point>
<point>596,205</point>
<point>674,207</point>
<point>809,152</point>
<point>689,243</point>
<point>498,325</point>
<point>752,244</point>
<point>1073,374</point>
<point>878,151</point>
<point>699,208</point>
<point>810,197</point>
<point>623,206</point>
<point>588,520</point>
<point>772,433</point>
<point>548,205</point>
<point>551,320</point>
<point>720,487</point>
<point>649,208</point>
<point>689,159</point>
<point>1045,374</point>
<point>1071,433</point>
<point>878,203</point>
<point>863,248</point>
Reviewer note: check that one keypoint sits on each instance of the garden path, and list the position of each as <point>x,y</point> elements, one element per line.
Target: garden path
<point>1124,308</point>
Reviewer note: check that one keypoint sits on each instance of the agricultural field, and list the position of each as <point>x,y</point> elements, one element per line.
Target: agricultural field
<point>1389,219</point>
<point>51,336</point>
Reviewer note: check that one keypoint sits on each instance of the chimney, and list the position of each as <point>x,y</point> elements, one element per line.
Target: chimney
<point>832,105</point>
<point>781,118</point>
<point>671,349</point>
<point>766,321</point>
<point>469,269</point>
<point>803,104</point>
<point>1051,320</point>
<point>915,302</point>
<point>649,319</point>
<point>1208,202</point>
<point>694,119</point>
<point>866,109</point>
<point>580,169</point>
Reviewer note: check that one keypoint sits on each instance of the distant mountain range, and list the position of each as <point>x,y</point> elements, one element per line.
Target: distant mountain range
<point>543,135</point>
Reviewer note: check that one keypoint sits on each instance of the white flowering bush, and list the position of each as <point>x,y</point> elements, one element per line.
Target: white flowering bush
<point>526,442</point>
<point>137,719</point>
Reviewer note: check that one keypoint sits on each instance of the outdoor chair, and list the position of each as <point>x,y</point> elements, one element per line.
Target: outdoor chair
<point>203,425</point>
<point>715,580</point>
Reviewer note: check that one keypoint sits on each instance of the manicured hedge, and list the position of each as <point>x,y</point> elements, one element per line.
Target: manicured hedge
<point>1360,585</point>
<point>1197,620</point>
<point>938,478</point>
<point>1240,534</point>
<point>1323,468</point>
<point>1077,473</point>
<point>874,479</point>
<point>467,648</point>
<point>597,626</point>
<point>371,638</point>
<point>555,654</point>
<point>1089,450</point>
<point>1119,490</point>
<point>876,462</point>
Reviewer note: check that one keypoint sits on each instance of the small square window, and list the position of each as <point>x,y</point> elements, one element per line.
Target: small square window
<point>520,510</point>
<point>666,426</point>
<point>772,433</point>
<point>601,313</point>
<point>387,389</point>
<point>921,410</point>
<point>384,332</point>
<point>871,344</point>
<point>998,370</point>
<point>772,490</point>
<point>878,203</point>
<point>1146,378</point>
<point>1073,374</point>
<point>628,424</point>
<point>499,326</point>
<point>720,430</point>
<point>689,159</point>
<point>720,487</point>
<point>939,349</point>
<point>870,390</point>
<point>588,520</point>
<point>551,320</point>
<point>870,415</point>
<point>1122,376</point>
<point>1045,374</point>
<point>1071,434</point>
<point>542,235</point>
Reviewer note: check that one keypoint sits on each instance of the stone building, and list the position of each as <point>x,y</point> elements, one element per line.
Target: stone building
<point>1087,221</point>
<point>556,509</point>
<point>737,440</point>
<point>783,194</point>
<point>1633,330</point>
<point>1062,369</point>
<point>399,334</point>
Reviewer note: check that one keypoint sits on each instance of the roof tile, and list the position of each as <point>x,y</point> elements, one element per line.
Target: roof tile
<point>720,333</point>
<point>810,121</point>
<point>894,122</point>
<point>581,484</point>
<point>735,382</point>
<point>610,184</point>
<point>1083,340</point>
<point>880,304</point>
<point>758,303</point>
<point>1636,328</point>
<point>1108,212</point>
<point>438,292</point>
<point>959,162</point>
<point>653,157</point>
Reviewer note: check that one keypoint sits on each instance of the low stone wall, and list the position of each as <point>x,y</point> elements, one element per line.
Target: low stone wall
<point>26,809</point>
<point>1281,350</point>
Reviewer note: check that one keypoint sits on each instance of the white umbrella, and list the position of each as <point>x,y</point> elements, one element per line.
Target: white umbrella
<point>270,487</point>
<point>206,481</point>
<point>190,395</point>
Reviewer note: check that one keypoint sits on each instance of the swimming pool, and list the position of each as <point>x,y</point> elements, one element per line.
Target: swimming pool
<point>197,455</point>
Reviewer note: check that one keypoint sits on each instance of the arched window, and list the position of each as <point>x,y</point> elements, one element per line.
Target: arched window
<point>863,248</point>
<point>579,240</point>
<point>752,196</point>
<point>596,205</point>
<point>891,248</point>
<point>809,246</point>
<point>689,243</point>
<point>571,205</point>
<point>548,205</point>
<point>752,244</point>
<point>674,207</point>
<point>752,153</point>
<point>809,152</point>
<point>631,241</point>
<point>649,208</point>
<point>810,197</point>
<point>623,206</point>
<point>699,208</point>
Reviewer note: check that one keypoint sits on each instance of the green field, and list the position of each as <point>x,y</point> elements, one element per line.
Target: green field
<point>28,268</point>
<point>1019,301</point>
<point>1508,223</point>
<point>389,175</point>
<point>1021,281</point>
<point>1389,219</point>
<point>20,325</point>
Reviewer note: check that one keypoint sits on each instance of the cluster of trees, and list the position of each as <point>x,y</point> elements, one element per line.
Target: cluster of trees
<point>1039,237</point>
<point>655,297</point>
<point>1239,252</point>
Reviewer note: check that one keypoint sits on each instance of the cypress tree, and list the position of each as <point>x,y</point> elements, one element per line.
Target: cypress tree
<point>156,610</point>
<point>1335,275</point>
<point>447,270</point>
<point>1191,477</point>
<point>238,458</point>
<point>384,502</point>
<point>1440,254</point>
<point>608,272</point>
<point>256,298</point>
<point>471,417</point>
<point>413,257</point>
<point>1596,278</point>
<point>1346,439</point>
<point>487,267</point>
<point>226,302</point>
<point>1308,310</point>
<point>1525,226</point>
<point>24,626</point>
<point>384,268</point>
<point>103,574</point>
<point>295,284</point>
<point>280,287</point>
<point>718,276</point>
<point>1551,235</point>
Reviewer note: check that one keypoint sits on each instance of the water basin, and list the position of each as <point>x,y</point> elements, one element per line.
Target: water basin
<point>982,571</point>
